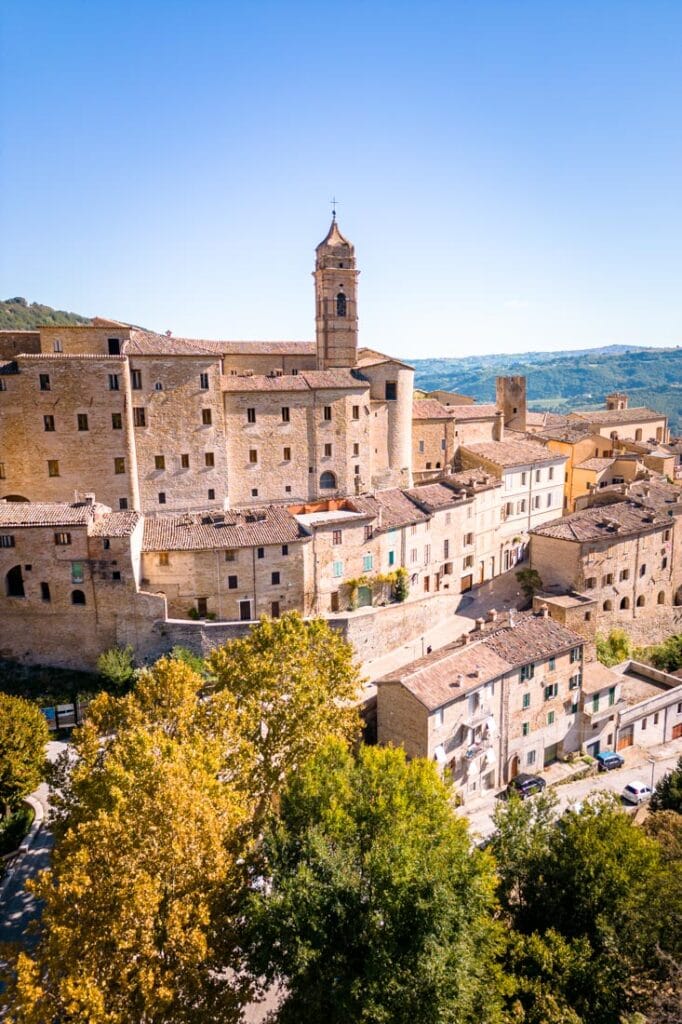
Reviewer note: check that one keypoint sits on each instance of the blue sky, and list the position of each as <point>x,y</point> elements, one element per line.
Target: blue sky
<point>510,172</point>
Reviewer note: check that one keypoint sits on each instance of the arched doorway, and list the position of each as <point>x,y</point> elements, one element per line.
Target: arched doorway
<point>14,582</point>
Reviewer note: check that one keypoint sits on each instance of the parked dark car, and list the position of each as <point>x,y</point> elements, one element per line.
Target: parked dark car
<point>608,760</point>
<point>526,785</point>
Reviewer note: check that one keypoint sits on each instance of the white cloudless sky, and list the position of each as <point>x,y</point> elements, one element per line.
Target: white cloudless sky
<point>509,170</point>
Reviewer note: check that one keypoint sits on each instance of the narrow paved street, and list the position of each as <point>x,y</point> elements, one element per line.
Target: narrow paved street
<point>637,766</point>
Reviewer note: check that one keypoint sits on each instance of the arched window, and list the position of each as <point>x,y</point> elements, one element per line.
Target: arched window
<point>14,582</point>
<point>625,603</point>
<point>327,481</point>
<point>340,304</point>
<point>661,597</point>
<point>607,606</point>
<point>638,434</point>
<point>77,597</point>
<point>640,601</point>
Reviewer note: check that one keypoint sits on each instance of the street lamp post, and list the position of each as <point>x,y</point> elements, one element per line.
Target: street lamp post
<point>652,762</point>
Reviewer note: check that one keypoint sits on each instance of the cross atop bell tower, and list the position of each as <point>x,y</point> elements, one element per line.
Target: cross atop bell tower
<point>336,310</point>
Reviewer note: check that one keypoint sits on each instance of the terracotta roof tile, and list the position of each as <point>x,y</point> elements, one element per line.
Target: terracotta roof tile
<point>393,507</point>
<point>474,412</point>
<point>34,513</point>
<point>431,409</point>
<point>596,465</point>
<point>342,379</point>
<point>115,524</point>
<point>271,524</point>
<point>532,638</point>
<point>445,675</point>
<point>150,343</point>
<point>511,453</point>
<point>613,522</point>
<point>608,417</point>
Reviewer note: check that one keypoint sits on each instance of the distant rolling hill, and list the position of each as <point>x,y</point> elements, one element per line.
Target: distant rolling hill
<point>561,381</point>
<point>20,315</point>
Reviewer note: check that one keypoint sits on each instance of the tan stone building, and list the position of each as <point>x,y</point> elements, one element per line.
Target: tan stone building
<point>504,701</point>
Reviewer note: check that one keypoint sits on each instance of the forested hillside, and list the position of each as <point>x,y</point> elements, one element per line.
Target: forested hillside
<point>561,381</point>
<point>20,315</point>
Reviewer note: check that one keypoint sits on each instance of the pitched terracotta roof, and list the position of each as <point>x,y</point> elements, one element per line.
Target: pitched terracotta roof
<point>596,465</point>
<point>393,507</point>
<point>146,343</point>
<point>609,522</point>
<point>341,379</point>
<point>431,409</point>
<point>115,524</point>
<point>570,433</point>
<point>150,343</point>
<point>436,496</point>
<point>196,531</point>
<point>511,453</point>
<point>370,357</point>
<point>532,638</point>
<point>47,513</point>
<point>608,417</point>
<point>446,675</point>
<point>474,412</point>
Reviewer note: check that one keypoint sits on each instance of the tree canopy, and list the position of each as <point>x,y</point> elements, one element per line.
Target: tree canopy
<point>667,795</point>
<point>23,736</point>
<point>378,911</point>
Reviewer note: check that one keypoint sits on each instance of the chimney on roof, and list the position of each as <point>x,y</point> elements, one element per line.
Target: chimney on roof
<point>480,623</point>
<point>458,680</point>
<point>498,426</point>
<point>492,615</point>
<point>89,498</point>
<point>544,611</point>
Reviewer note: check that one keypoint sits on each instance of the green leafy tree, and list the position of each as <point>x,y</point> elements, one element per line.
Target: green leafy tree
<point>614,648</point>
<point>667,795</point>
<point>117,667</point>
<point>401,587</point>
<point>519,844</point>
<point>530,581</point>
<point>23,735</point>
<point>149,837</point>
<point>295,683</point>
<point>378,911</point>
<point>666,656</point>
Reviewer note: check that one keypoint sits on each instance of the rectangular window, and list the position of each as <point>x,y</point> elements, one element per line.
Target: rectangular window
<point>53,467</point>
<point>523,478</point>
<point>421,447</point>
<point>439,717</point>
<point>664,562</point>
<point>656,718</point>
<point>164,558</point>
<point>6,540</point>
<point>527,671</point>
<point>209,459</point>
<point>162,497</point>
<point>159,462</point>
<point>607,580</point>
<point>113,382</point>
<point>136,380</point>
<point>356,412</point>
<point>286,455</point>
<point>551,691</point>
<point>550,718</point>
<point>44,379</point>
<point>367,563</point>
<point>114,346</point>
<point>446,549</point>
<point>391,391</point>
<point>537,476</point>
<point>285,549</point>
<point>550,472</point>
<point>576,654</point>
<point>427,554</point>
<point>413,555</point>
<point>551,664</point>
<point>327,451</point>
<point>206,417</point>
<point>230,555</point>
<point>274,579</point>
<point>48,423</point>
<point>642,570</point>
<point>468,539</point>
<point>612,695</point>
<point>62,539</point>
<point>3,385</point>
<point>624,574</point>
<point>116,421</point>
<point>526,700</point>
<point>260,552</point>
<point>45,591</point>
<point>575,708</point>
<point>285,414</point>
<point>536,501</point>
<point>525,728</point>
<point>2,471</point>
<point>184,461</point>
<point>140,416</point>
<point>274,610</point>
<point>250,415</point>
<point>335,602</point>
<point>337,537</point>
<point>253,456</point>
<point>575,681</point>
<point>595,702</point>
<point>82,421</point>
<point>203,381</point>
<point>549,500</point>
<point>356,449</point>
<point>327,413</point>
<point>232,582</point>
<point>119,465</point>
<point>643,724</point>
<point>530,757</point>
<point>337,569</point>
<point>77,572</point>
<point>123,503</point>
<point>391,558</point>
<point>591,583</point>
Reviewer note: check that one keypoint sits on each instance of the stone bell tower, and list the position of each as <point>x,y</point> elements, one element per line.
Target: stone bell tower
<point>336,308</point>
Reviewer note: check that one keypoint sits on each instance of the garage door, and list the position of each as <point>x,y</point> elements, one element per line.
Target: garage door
<point>551,753</point>
<point>625,738</point>
<point>466,583</point>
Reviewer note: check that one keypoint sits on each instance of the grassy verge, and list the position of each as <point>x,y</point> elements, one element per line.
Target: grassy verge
<point>14,827</point>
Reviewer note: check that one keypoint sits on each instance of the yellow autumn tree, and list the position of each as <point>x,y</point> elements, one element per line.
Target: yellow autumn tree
<point>148,840</point>
<point>295,685</point>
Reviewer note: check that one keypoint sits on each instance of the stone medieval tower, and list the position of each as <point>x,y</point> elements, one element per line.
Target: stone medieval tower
<point>336,307</point>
